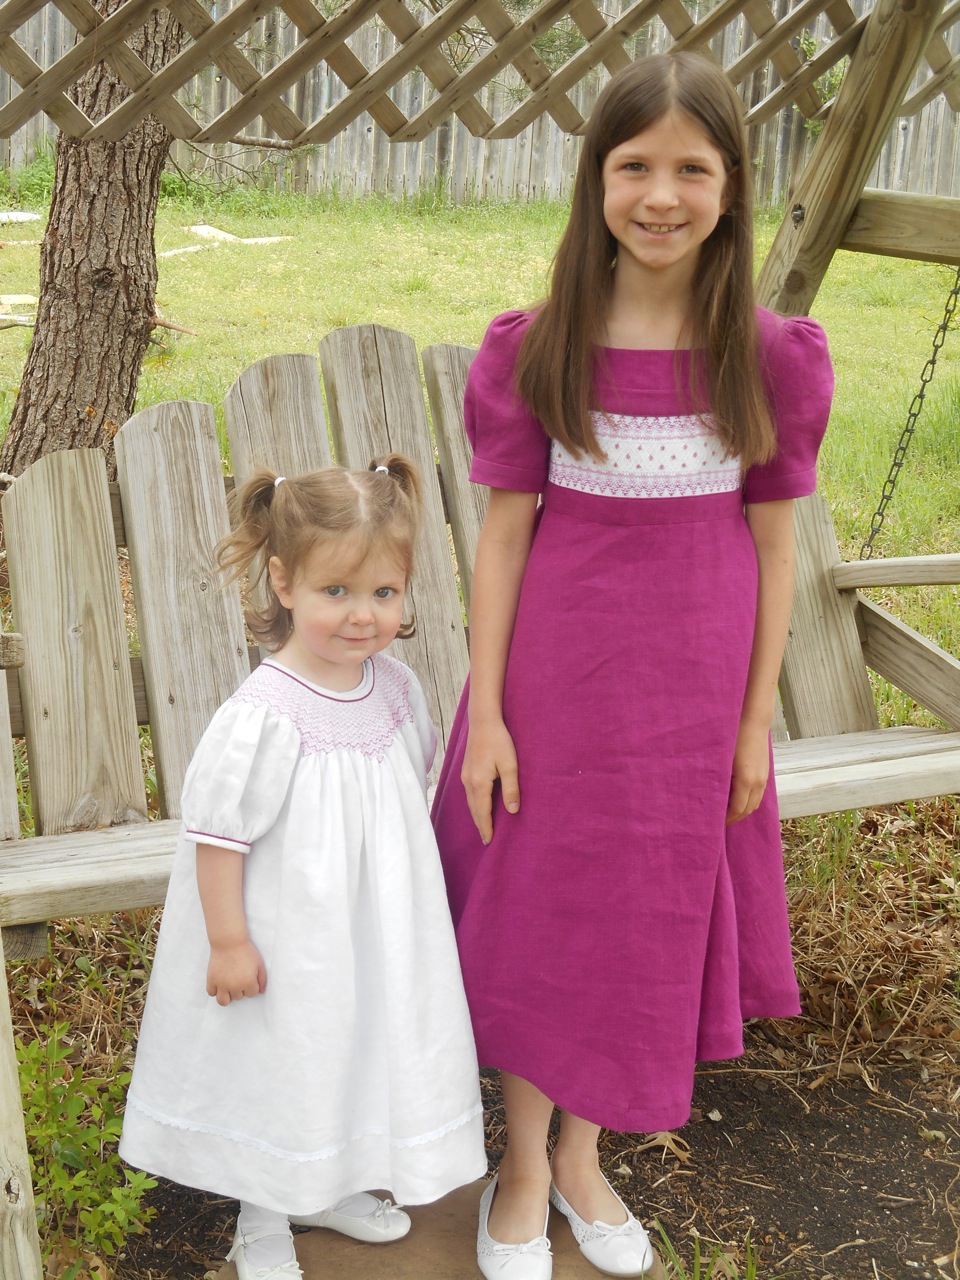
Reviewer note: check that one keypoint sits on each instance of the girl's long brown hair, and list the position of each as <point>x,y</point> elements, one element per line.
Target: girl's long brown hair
<point>556,368</point>
<point>372,510</point>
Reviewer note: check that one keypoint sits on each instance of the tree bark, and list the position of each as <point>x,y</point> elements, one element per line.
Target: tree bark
<point>98,273</point>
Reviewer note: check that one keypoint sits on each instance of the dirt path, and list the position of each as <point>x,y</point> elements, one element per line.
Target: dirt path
<point>831,1177</point>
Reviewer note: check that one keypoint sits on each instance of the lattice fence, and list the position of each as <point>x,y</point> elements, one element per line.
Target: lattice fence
<point>459,47</point>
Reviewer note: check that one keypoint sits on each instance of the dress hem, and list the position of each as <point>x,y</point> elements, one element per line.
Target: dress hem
<point>305,1157</point>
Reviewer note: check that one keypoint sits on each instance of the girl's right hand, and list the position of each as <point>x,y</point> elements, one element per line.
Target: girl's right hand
<point>490,755</point>
<point>235,971</point>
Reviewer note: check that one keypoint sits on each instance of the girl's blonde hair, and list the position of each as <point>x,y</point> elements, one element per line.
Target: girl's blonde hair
<point>379,509</point>
<point>556,368</point>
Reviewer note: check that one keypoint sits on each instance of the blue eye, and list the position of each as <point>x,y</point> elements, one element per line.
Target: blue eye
<point>384,593</point>
<point>334,592</point>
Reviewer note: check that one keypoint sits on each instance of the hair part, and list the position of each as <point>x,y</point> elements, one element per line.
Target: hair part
<point>368,511</point>
<point>556,368</point>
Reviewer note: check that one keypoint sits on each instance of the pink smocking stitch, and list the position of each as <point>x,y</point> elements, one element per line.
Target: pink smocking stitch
<point>325,723</point>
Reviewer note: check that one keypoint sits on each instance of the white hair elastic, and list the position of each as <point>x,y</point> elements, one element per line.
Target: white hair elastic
<point>385,470</point>
<point>279,481</point>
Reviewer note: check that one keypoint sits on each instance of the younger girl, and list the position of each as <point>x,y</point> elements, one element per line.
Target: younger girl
<point>306,1035</point>
<point>608,832</point>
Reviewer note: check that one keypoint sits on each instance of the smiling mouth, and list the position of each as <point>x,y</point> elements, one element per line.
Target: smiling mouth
<point>660,227</point>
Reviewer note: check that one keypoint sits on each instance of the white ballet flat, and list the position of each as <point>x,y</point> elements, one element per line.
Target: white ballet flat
<point>381,1225</point>
<point>624,1250</point>
<point>529,1261</point>
<point>285,1271</point>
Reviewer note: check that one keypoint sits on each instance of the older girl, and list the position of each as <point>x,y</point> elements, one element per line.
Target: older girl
<point>605,816</point>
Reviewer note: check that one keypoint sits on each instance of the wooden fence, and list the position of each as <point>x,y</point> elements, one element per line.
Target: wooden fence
<point>922,153</point>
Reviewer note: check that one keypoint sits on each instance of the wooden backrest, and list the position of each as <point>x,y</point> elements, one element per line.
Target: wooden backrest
<point>445,370</point>
<point>76,686</point>
<point>376,406</point>
<point>189,623</point>
<point>824,685</point>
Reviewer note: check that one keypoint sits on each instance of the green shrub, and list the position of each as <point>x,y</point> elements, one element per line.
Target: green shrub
<point>86,1203</point>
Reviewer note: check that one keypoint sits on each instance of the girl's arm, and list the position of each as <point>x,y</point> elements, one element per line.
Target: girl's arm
<point>235,969</point>
<point>502,551</point>
<point>771,524</point>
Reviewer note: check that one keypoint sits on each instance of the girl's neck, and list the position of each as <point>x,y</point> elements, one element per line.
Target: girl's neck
<point>648,312</point>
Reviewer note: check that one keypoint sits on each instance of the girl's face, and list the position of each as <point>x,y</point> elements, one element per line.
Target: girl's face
<point>342,613</point>
<point>664,191</point>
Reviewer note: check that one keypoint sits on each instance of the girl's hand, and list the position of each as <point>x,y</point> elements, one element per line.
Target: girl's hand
<point>490,755</point>
<point>235,971</point>
<point>751,768</point>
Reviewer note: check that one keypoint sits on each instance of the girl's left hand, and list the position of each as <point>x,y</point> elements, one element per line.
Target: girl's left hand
<point>751,768</point>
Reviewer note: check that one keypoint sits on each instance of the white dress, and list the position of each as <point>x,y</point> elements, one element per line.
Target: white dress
<point>356,1068</point>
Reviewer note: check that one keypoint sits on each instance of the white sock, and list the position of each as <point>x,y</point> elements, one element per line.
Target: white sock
<point>276,1247</point>
<point>357,1206</point>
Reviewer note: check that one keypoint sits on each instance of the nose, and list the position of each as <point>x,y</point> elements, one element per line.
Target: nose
<point>661,191</point>
<point>361,613</point>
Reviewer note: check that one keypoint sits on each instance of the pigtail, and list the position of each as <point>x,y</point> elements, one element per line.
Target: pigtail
<point>250,506</point>
<point>248,547</point>
<point>405,474</point>
<point>404,478</point>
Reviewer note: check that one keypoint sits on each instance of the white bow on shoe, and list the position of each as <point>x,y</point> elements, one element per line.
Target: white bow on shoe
<point>531,1260</point>
<point>622,1250</point>
<point>384,1223</point>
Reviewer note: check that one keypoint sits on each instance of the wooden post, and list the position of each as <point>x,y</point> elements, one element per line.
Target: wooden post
<point>881,68</point>
<point>19,1243</point>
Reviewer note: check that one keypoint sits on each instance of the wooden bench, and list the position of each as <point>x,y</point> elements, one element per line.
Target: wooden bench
<point>81,687</point>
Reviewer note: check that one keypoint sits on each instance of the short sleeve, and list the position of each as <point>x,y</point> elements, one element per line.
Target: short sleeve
<point>799,381</point>
<point>511,450</point>
<point>239,776</point>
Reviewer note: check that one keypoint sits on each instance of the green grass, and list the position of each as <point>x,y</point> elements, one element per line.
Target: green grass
<point>440,272</point>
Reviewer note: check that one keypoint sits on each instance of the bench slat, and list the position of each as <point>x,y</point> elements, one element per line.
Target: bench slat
<point>445,371</point>
<point>190,624</point>
<point>275,418</point>
<point>823,681</point>
<point>87,873</point>
<point>828,780</point>
<point>376,406</point>
<point>75,684</point>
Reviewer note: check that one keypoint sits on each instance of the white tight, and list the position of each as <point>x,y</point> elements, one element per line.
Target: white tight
<point>276,1247</point>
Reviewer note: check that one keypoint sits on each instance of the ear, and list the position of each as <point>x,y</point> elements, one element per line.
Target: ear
<point>280,581</point>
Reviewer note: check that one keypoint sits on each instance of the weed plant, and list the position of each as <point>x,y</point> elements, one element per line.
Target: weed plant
<point>708,1261</point>
<point>77,1011</point>
<point>86,1206</point>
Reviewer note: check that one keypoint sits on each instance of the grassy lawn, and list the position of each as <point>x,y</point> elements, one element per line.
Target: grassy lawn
<point>440,273</point>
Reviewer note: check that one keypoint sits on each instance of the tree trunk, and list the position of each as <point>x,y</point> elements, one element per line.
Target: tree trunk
<point>98,273</point>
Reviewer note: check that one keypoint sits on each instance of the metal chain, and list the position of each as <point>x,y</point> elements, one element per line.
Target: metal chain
<point>916,405</point>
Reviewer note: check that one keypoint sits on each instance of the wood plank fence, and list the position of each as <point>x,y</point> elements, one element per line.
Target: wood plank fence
<point>922,153</point>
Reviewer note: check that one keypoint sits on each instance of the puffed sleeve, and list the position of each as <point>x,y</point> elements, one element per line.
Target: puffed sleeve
<point>239,776</point>
<point>511,450</point>
<point>799,381</point>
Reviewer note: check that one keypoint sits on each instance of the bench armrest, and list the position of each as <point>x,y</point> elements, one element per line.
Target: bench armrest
<point>13,650</point>
<point>898,571</point>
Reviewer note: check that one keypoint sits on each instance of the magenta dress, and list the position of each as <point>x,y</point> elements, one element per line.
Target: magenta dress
<point>615,931</point>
